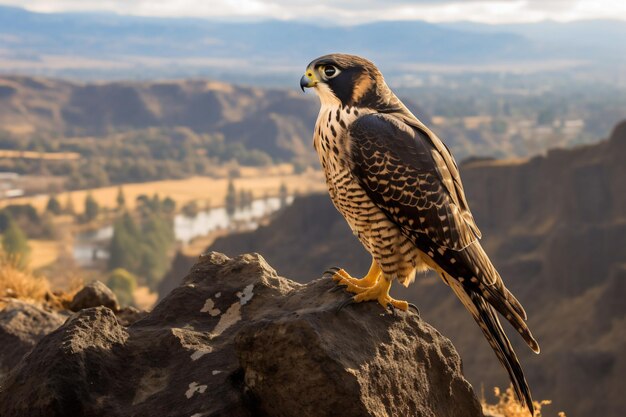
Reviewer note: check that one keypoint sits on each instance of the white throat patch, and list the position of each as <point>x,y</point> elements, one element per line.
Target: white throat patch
<point>327,98</point>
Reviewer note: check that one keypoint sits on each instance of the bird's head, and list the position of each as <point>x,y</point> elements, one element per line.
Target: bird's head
<point>347,80</point>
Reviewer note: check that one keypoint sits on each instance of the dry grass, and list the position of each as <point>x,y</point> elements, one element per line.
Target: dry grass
<point>20,283</point>
<point>190,189</point>
<point>509,406</point>
<point>43,252</point>
<point>24,284</point>
<point>144,298</point>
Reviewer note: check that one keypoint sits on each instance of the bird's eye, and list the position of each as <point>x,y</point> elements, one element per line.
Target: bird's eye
<point>330,71</point>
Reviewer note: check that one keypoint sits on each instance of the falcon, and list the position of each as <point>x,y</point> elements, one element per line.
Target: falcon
<point>398,187</point>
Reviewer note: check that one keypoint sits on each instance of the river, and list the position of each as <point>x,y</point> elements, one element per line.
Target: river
<point>90,246</point>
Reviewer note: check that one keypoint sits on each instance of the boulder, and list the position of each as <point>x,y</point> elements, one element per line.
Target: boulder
<point>235,339</point>
<point>22,325</point>
<point>94,294</point>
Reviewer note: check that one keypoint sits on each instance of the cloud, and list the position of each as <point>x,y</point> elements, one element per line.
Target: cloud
<point>347,11</point>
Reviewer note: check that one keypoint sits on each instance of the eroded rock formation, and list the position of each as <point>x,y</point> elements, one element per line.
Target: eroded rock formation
<point>236,339</point>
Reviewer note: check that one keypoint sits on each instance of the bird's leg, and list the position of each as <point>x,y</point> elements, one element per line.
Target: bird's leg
<point>378,292</point>
<point>369,280</point>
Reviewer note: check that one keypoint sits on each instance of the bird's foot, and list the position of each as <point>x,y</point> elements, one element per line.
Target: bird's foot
<point>378,292</point>
<point>343,278</point>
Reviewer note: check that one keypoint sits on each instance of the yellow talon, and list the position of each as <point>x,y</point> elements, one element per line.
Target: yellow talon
<point>370,287</point>
<point>367,281</point>
<point>341,274</point>
<point>380,293</point>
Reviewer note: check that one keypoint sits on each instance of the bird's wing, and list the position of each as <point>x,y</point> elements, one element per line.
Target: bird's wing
<point>415,184</point>
<point>448,168</point>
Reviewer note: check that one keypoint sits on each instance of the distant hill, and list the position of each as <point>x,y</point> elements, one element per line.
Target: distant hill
<point>599,39</point>
<point>105,45</point>
<point>555,226</point>
<point>278,122</point>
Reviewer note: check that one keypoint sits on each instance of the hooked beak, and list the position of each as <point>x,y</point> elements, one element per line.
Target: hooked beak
<point>308,80</point>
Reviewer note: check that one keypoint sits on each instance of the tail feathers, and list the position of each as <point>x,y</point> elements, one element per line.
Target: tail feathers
<point>489,284</point>
<point>486,318</point>
<point>494,333</point>
<point>517,306</point>
<point>501,302</point>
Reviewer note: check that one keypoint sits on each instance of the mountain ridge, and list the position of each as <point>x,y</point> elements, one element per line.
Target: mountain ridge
<point>275,121</point>
<point>95,45</point>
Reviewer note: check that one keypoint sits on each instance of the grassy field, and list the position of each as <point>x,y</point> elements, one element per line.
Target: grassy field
<point>205,190</point>
<point>43,252</point>
<point>202,189</point>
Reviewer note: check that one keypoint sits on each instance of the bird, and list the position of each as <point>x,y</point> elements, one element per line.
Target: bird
<point>399,188</point>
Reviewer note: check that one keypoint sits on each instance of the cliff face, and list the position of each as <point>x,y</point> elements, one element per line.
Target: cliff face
<point>235,339</point>
<point>554,226</point>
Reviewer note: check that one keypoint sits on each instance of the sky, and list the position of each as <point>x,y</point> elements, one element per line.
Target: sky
<point>347,11</point>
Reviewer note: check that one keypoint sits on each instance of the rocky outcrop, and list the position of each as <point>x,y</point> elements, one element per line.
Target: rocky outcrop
<point>554,226</point>
<point>94,294</point>
<point>22,325</point>
<point>235,339</point>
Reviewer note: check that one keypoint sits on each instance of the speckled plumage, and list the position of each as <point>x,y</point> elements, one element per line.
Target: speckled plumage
<point>399,189</point>
<point>396,254</point>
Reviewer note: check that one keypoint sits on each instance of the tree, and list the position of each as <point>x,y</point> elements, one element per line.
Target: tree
<point>91,208</point>
<point>190,209</point>
<point>157,237</point>
<point>142,202</point>
<point>168,205</point>
<point>69,205</point>
<point>53,205</point>
<point>121,199</point>
<point>124,250</point>
<point>231,198</point>
<point>142,249</point>
<point>15,244</point>
<point>123,284</point>
<point>283,194</point>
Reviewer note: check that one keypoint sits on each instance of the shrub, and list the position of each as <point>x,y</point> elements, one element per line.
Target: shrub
<point>123,284</point>
<point>509,406</point>
<point>15,245</point>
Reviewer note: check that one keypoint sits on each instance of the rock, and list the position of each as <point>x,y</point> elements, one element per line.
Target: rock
<point>94,294</point>
<point>298,365</point>
<point>128,315</point>
<point>21,326</point>
<point>619,132</point>
<point>236,340</point>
